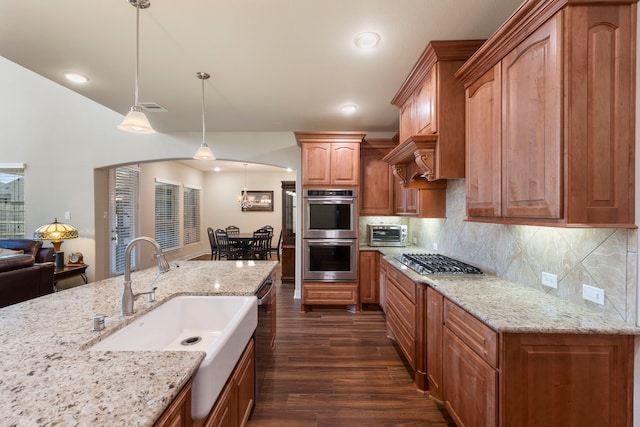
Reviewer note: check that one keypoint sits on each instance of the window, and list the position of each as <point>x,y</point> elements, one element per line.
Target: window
<point>167,214</point>
<point>123,196</point>
<point>191,215</point>
<point>12,201</point>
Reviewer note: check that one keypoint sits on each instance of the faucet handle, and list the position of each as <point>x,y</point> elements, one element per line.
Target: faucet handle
<point>152,294</point>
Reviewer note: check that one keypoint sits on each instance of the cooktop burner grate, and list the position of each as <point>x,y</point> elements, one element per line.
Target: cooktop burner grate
<point>437,264</point>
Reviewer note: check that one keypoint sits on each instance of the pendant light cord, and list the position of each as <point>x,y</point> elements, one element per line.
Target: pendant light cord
<point>135,100</point>
<point>203,131</point>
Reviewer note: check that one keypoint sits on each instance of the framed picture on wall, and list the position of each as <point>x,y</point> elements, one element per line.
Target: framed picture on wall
<point>260,201</point>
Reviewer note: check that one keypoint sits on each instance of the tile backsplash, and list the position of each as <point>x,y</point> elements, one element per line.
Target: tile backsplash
<point>601,257</point>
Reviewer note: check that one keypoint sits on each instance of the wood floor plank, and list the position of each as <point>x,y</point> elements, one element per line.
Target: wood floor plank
<point>334,368</point>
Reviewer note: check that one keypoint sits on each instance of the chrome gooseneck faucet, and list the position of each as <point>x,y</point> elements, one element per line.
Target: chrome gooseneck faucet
<point>127,299</point>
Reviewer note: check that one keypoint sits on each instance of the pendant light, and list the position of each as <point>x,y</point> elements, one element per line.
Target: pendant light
<point>244,200</point>
<point>135,121</point>
<point>204,152</point>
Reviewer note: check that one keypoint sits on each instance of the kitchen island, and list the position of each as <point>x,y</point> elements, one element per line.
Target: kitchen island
<point>49,377</point>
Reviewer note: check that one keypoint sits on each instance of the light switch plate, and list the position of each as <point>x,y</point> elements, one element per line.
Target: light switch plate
<point>550,280</point>
<point>593,294</point>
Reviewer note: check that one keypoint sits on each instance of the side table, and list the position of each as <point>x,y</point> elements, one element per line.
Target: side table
<point>70,271</point>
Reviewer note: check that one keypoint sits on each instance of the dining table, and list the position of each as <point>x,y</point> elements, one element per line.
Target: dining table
<point>244,241</point>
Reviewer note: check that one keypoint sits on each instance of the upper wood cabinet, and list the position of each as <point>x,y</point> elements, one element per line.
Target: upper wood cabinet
<point>431,103</point>
<point>550,103</point>
<point>330,158</point>
<point>376,179</point>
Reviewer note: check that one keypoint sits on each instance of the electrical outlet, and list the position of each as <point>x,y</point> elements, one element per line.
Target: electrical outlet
<point>550,280</point>
<point>435,246</point>
<point>593,294</point>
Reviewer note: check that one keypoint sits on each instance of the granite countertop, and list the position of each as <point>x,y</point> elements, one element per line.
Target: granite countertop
<point>510,307</point>
<point>49,378</point>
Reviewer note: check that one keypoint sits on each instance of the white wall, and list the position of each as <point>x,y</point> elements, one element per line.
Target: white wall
<point>222,189</point>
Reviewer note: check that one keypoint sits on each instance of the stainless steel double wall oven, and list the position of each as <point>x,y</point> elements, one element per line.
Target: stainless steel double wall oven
<point>330,235</point>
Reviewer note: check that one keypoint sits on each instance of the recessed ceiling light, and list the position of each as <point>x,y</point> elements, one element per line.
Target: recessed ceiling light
<point>217,169</point>
<point>367,40</point>
<point>349,108</point>
<point>76,77</point>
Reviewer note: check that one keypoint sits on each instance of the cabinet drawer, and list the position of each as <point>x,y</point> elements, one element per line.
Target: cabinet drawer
<point>479,337</point>
<point>404,309</point>
<point>329,293</point>
<point>403,283</point>
<point>404,338</point>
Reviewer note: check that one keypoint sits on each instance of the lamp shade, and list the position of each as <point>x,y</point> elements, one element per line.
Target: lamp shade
<point>135,121</point>
<point>56,232</point>
<point>204,153</point>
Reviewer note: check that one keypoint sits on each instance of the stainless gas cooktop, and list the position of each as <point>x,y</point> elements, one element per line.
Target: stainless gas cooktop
<point>436,264</point>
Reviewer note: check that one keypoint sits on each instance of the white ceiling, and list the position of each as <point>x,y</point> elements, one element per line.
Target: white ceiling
<point>276,65</point>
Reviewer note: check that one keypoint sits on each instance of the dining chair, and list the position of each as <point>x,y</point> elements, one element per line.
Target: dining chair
<point>225,248</point>
<point>269,229</point>
<point>277,248</point>
<point>213,243</point>
<point>259,244</point>
<point>232,229</point>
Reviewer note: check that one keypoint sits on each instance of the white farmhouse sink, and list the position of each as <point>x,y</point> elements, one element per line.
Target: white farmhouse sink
<point>224,325</point>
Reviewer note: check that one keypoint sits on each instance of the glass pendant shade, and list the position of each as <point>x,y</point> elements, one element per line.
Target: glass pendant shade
<point>136,122</point>
<point>204,153</point>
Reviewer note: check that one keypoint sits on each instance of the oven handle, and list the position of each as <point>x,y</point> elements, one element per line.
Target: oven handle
<point>267,284</point>
<point>330,200</point>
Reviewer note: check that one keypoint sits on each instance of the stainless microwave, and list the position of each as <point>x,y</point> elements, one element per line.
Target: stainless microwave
<point>387,234</point>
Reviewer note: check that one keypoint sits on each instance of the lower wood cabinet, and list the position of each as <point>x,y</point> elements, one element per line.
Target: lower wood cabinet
<point>236,400</point>
<point>329,293</point>
<point>368,277</point>
<point>405,308</point>
<point>488,378</point>
<point>178,414</point>
<point>435,325</point>
<point>511,379</point>
<point>567,380</point>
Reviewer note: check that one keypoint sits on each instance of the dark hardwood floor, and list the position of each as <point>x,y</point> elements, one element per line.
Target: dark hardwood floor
<point>336,368</point>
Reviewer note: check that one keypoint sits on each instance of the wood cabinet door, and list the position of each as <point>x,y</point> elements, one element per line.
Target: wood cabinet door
<point>244,379</point>
<point>368,277</point>
<point>178,414</point>
<point>600,114</point>
<point>376,183</point>
<point>316,163</point>
<point>470,385</point>
<point>406,120</point>
<point>567,380</point>
<point>406,200</point>
<point>483,105</point>
<point>531,127</point>
<point>382,281</point>
<point>435,304</point>
<point>425,104</point>
<point>224,412</point>
<point>345,163</point>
